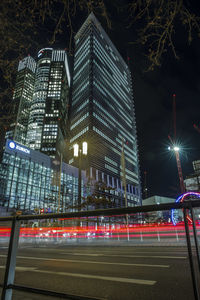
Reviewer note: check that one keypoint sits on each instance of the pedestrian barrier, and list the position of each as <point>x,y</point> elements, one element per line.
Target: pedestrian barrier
<point>8,285</point>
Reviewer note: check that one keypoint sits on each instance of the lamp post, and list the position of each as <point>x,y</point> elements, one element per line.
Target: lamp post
<point>79,153</point>
<point>176,150</point>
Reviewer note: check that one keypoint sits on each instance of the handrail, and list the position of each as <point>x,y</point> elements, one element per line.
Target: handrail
<point>109,211</point>
<point>9,285</point>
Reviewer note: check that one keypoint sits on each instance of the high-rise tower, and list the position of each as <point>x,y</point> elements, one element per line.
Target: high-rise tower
<point>48,114</point>
<point>41,99</point>
<point>22,99</point>
<point>102,111</point>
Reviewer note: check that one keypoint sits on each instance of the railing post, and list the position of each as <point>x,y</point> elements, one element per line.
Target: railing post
<point>11,260</point>
<point>141,237</point>
<point>158,235</point>
<point>177,236</point>
<point>194,282</point>
<point>195,235</point>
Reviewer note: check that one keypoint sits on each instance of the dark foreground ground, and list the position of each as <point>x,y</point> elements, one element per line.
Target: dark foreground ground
<point>114,273</point>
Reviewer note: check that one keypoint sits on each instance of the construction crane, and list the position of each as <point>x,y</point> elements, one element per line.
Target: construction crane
<point>175,148</point>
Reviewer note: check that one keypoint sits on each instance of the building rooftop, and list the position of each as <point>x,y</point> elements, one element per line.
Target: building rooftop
<point>92,19</point>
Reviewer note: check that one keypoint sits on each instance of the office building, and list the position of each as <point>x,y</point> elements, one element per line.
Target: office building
<point>41,100</point>
<point>192,181</point>
<point>48,113</point>
<point>31,180</point>
<point>22,99</point>
<point>102,113</point>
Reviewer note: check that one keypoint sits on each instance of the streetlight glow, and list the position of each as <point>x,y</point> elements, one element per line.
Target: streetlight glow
<point>76,150</point>
<point>176,148</point>
<point>85,147</point>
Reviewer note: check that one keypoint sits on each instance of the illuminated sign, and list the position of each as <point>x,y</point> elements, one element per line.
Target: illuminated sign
<point>12,145</point>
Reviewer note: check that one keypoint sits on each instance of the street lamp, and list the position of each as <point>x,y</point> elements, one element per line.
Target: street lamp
<point>80,152</point>
<point>176,150</point>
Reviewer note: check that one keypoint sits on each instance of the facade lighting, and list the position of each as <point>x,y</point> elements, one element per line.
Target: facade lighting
<point>85,148</point>
<point>76,150</point>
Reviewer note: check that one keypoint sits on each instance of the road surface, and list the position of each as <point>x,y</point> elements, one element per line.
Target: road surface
<point>113,273</point>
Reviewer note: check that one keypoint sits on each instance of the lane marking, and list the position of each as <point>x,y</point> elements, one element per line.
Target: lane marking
<point>116,255</point>
<point>152,256</point>
<point>90,262</point>
<point>86,254</point>
<point>88,276</point>
<point>135,252</point>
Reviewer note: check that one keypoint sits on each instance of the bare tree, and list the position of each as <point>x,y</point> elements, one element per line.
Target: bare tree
<point>32,24</point>
<point>159,21</point>
<point>23,23</point>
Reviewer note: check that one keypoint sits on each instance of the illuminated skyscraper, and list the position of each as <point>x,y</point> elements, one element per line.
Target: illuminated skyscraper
<point>102,113</point>
<point>48,113</point>
<point>41,96</point>
<point>22,99</point>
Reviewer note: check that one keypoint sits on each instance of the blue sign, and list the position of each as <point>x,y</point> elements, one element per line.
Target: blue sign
<point>13,146</point>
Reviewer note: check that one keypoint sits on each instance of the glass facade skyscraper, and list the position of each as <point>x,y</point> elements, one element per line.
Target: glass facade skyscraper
<point>41,100</point>
<point>48,113</point>
<point>102,112</point>
<point>22,99</point>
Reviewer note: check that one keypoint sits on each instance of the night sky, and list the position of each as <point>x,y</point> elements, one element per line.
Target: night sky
<point>153,93</point>
<point>153,103</point>
<point>153,100</point>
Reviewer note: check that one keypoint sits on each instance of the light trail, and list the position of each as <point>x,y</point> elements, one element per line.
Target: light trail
<point>99,232</point>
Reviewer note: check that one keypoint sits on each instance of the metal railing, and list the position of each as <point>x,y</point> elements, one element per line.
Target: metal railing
<point>8,286</point>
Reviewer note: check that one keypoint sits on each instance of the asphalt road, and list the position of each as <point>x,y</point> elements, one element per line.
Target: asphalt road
<point>114,273</point>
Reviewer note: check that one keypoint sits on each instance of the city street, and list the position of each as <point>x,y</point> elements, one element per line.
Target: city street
<point>105,272</point>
